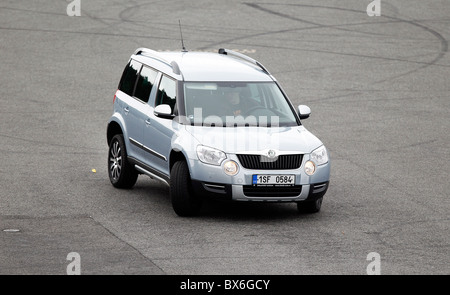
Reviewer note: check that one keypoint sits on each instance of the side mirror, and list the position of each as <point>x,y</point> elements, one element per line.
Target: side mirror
<point>304,111</point>
<point>163,111</point>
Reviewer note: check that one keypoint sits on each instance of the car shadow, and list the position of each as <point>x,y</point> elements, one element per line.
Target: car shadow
<point>220,210</point>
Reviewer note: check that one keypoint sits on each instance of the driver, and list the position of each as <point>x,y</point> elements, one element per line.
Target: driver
<point>233,98</point>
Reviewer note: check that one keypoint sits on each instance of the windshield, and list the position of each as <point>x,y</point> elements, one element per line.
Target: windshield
<point>232,104</point>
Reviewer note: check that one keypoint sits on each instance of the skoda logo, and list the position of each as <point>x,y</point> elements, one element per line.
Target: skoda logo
<point>271,154</point>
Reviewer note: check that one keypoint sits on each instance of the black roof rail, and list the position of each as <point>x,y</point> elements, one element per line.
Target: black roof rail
<point>244,57</point>
<point>154,54</point>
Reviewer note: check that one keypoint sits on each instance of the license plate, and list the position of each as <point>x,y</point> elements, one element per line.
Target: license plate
<point>273,180</point>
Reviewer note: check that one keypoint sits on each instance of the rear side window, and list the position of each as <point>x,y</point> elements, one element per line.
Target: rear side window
<point>145,83</point>
<point>167,92</point>
<point>129,77</point>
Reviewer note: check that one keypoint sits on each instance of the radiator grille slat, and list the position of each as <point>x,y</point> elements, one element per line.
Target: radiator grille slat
<point>282,162</point>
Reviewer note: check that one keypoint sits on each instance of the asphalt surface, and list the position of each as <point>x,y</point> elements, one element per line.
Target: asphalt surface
<point>379,92</point>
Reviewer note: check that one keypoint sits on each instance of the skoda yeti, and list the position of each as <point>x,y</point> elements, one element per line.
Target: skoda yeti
<point>213,125</point>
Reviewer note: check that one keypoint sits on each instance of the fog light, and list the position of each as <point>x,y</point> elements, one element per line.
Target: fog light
<point>230,168</point>
<point>310,168</point>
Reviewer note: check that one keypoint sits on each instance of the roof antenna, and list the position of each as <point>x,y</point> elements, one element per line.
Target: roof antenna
<point>182,42</point>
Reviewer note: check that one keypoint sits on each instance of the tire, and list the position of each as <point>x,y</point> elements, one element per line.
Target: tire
<point>184,202</point>
<point>310,206</point>
<point>121,173</point>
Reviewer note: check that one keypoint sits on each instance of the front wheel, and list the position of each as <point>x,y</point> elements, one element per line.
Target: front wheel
<point>310,206</point>
<point>184,202</point>
<point>121,173</point>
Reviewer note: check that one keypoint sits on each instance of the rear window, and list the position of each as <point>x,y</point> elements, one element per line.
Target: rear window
<point>129,77</point>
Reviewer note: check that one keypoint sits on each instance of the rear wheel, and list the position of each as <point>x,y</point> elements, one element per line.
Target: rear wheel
<point>310,206</point>
<point>121,173</point>
<point>184,202</point>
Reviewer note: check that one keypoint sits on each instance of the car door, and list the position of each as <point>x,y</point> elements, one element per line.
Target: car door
<point>139,108</point>
<point>130,108</point>
<point>158,132</point>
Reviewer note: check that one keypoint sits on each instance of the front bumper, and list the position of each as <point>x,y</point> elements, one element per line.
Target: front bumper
<point>211,181</point>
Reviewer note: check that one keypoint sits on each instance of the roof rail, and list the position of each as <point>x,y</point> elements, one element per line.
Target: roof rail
<point>243,57</point>
<point>154,54</point>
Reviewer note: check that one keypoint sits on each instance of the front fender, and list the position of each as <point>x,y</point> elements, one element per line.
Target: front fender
<point>184,142</point>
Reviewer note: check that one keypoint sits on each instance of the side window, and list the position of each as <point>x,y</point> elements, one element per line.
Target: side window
<point>129,77</point>
<point>145,83</point>
<point>166,92</point>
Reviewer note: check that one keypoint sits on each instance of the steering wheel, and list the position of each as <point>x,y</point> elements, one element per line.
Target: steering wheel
<point>252,109</point>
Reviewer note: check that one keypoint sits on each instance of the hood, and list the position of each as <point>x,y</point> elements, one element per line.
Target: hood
<point>237,140</point>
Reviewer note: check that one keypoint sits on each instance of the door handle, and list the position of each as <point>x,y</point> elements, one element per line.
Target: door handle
<point>148,122</point>
<point>126,110</point>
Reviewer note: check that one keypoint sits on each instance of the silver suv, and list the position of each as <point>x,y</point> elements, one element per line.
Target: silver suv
<point>213,125</point>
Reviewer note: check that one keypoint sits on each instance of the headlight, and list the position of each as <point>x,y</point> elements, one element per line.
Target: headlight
<point>320,156</point>
<point>230,168</point>
<point>210,155</point>
<point>310,168</point>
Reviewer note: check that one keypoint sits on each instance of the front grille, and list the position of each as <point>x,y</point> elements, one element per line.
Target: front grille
<point>260,163</point>
<point>272,191</point>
